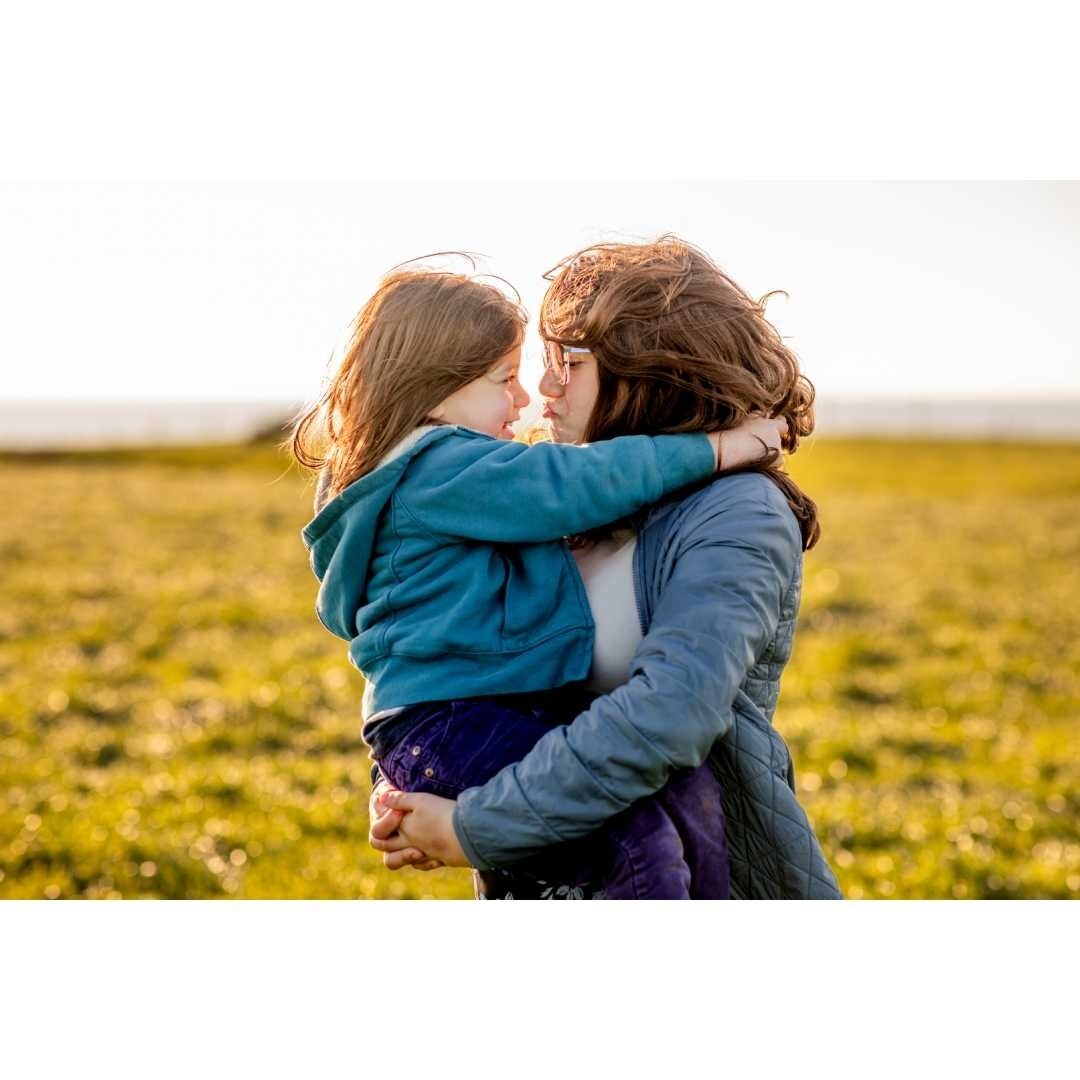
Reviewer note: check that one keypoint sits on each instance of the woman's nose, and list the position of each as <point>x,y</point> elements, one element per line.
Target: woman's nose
<point>549,385</point>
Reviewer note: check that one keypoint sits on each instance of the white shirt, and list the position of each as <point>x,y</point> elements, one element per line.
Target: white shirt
<point>607,569</point>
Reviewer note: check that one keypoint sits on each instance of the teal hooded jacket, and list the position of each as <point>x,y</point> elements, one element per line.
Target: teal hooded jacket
<point>445,567</point>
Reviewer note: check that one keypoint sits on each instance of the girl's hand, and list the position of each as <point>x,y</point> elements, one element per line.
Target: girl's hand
<point>425,835</point>
<point>754,439</point>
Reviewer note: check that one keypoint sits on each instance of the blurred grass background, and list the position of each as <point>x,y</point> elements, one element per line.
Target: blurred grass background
<point>174,722</point>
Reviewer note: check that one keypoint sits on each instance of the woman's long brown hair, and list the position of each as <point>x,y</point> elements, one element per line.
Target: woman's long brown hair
<point>421,337</point>
<point>679,347</point>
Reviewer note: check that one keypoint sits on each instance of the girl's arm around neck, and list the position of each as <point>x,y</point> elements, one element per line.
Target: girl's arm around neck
<point>506,492</point>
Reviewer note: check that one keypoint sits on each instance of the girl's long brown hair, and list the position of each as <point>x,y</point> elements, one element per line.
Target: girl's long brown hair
<point>679,347</point>
<point>421,337</point>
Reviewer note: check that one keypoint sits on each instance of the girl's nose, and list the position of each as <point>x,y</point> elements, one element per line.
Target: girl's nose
<point>521,396</point>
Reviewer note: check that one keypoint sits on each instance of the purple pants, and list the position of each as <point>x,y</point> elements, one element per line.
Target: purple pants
<point>669,846</point>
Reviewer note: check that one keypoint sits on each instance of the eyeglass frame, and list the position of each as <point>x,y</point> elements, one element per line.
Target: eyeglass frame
<point>560,368</point>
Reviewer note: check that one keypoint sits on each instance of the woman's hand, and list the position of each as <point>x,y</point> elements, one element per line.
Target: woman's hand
<point>754,439</point>
<point>384,824</point>
<point>414,830</point>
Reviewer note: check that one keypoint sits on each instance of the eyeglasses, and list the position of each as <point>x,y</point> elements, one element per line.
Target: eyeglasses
<point>555,359</point>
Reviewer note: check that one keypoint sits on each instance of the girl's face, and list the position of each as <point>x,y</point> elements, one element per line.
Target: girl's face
<point>490,403</point>
<point>569,407</point>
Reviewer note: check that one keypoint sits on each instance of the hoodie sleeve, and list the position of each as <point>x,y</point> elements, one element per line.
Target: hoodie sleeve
<point>504,492</point>
<point>714,616</point>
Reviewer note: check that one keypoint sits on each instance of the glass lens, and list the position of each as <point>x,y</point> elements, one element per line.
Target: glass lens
<point>555,361</point>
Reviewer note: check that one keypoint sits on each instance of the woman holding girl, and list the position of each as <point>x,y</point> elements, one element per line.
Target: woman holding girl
<point>673,343</point>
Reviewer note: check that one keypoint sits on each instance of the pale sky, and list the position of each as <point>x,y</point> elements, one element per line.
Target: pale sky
<point>239,291</point>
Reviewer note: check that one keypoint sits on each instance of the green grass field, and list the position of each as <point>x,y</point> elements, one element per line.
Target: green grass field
<point>175,723</point>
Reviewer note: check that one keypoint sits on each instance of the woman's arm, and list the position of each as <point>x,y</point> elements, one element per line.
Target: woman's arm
<point>715,614</point>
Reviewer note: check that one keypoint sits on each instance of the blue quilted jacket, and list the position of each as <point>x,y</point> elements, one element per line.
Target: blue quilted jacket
<point>718,575</point>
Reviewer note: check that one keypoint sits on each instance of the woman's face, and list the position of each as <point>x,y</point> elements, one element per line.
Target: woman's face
<point>569,407</point>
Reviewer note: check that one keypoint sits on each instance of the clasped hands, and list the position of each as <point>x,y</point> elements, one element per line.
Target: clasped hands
<point>413,829</point>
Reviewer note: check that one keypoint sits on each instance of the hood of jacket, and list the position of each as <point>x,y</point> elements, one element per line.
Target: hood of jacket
<point>341,537</point>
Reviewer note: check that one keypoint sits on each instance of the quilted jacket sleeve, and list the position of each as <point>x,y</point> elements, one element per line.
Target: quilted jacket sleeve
<point>715,614</point>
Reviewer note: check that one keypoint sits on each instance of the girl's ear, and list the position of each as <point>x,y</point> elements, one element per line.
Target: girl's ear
<point>438,413</point>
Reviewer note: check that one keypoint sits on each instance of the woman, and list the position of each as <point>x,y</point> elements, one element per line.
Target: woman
<point>654,338</point>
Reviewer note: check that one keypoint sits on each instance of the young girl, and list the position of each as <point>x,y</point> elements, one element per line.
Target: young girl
<point>439,550</point>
